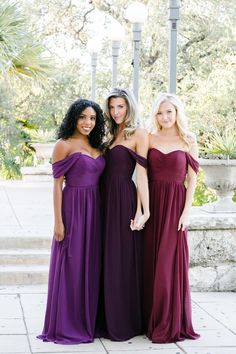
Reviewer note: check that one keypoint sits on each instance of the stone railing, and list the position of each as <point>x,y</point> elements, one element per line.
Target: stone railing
<point>212,247</point>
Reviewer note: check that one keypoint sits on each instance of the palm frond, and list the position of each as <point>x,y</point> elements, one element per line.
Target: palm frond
<point>11,28</point>
<point>40,135</point>
<point>222,144</point>
<point>31,62</point>
<point>20,53</point>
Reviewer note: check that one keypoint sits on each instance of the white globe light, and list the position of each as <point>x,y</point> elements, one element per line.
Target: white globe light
<point>94,46</point>
<point>117,32</point>
<point>136,12</point>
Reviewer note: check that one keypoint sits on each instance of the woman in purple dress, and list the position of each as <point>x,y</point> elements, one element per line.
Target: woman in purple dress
<point>172,163</point>
<point>74,275</point>
<point>123,217</point>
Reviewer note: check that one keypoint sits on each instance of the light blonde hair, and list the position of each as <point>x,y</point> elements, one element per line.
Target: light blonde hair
<point>130,118</point>
<point>181,121</point>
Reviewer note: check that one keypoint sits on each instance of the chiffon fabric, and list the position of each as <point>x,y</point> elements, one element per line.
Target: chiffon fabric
<point>167,303</point>
<point>121,306</point>
<point>75,264</point>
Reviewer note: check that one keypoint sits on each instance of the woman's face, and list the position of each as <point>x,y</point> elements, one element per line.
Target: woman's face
<point>166,115</point>
<point>86,121</point>
<point>118,109</point>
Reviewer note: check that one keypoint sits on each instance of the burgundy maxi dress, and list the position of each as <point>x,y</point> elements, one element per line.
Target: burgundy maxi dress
<point>123,248</point>
<point>74,274</point>
<point>167,303</point>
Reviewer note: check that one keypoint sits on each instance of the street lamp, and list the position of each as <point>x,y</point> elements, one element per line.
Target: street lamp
<point>136,13</point>
<point>174,6</point>
<point>117,33</point>
<point>94,57</point>
<point>93,48</point>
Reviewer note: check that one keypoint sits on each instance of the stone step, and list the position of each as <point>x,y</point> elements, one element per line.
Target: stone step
<point>23,275</point>
<point>24,260</point>
<point>40,173</point>
<point>25,243</point>
<point>24,256</point>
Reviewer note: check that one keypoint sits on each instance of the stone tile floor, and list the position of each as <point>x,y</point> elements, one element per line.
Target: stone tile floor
<point>22,312</point>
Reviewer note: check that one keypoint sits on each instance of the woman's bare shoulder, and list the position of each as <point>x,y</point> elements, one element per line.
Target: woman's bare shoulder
<point>193,147</point>
<point>61,150</point>
<point>141,131</point>
<point>153,136</point>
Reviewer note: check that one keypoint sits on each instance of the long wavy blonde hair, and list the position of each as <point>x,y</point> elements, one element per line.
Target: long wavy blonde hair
<point>130,118</point>
<point>181,122</point>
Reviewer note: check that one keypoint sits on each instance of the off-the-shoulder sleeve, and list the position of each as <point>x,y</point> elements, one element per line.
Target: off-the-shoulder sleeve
<point>192,162</point>
<point>59,168</point>
<point>139,159</point>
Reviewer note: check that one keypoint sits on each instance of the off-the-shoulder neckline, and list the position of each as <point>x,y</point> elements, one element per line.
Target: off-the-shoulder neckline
<point>121,145</point>
<point>170,152</point>
<point>79,153</point>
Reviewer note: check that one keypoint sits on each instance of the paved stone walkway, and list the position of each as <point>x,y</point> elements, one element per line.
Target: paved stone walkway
<point>22,312</point>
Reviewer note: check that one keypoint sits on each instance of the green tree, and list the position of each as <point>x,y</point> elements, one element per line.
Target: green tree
<point>21,57</point>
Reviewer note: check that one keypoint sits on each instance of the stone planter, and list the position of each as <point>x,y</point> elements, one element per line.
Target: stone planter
<point>43,171</point>
<point>43,151</point>
<point>221,176</point>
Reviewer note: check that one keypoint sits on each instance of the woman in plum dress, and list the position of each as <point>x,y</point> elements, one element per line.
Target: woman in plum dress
<point>74,274</point>
<point>172,162</point>
<point>123,217</point>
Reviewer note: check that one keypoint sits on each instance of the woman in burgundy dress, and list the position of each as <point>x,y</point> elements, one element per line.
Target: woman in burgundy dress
<point>122,218</point>
<point>172,163</point>
<point>74,275</point>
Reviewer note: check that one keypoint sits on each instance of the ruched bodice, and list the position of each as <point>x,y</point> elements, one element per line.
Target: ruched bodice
<point>80,170</point>
<point>169,167</point>
<point>121,161</point>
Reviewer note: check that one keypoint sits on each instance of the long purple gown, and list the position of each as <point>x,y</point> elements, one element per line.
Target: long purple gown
<point>167,303</point>
<point>75,264</point>
<point>122,268</point>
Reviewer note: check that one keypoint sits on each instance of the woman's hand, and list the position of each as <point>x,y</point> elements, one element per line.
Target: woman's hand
<point>139,221</point>
<point>183,221</point>
<point>59,231</point>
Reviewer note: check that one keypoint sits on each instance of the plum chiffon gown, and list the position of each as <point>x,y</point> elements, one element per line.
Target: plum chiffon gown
<point>167,303</point>
<point>75,264</point>
<point>123,248</point>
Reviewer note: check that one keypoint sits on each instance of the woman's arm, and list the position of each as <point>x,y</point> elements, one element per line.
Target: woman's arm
<point>60,152</point>
<point>57,204</point>
<point>142,212</point>
<point>191,184</point>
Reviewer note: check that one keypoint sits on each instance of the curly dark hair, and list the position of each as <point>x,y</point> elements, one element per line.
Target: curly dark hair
<point>68,125</point>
